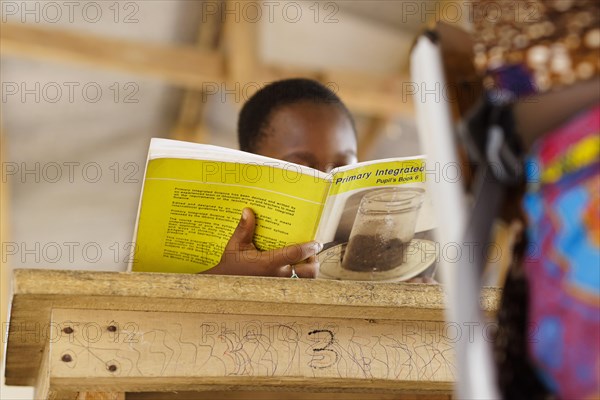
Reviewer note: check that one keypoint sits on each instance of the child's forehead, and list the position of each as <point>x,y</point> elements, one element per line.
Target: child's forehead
<point>309,123</point>
<point>308,110</point>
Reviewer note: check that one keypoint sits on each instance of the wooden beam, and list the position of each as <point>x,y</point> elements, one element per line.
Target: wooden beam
<point>367,94</point>
<point>179,65</point>
<point>53,395</point>
<point>190,123</point>
<point>366,141</point>
<point>4,234</point>
<point>279,395</point>
<point>241,40</point>
<point>189,67</point>
<point>101,396</point>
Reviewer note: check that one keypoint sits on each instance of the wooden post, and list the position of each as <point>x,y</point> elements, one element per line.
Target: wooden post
<point>101,396</point>
<point>241,37</point>
<point>190,124</point>
<point>375,127</point>
<point>4,232</point>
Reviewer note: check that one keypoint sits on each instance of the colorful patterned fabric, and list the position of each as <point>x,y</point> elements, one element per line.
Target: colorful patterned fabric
<point>563,266</point>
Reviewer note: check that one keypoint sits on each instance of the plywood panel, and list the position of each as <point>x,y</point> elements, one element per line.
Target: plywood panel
<point>175,351</point>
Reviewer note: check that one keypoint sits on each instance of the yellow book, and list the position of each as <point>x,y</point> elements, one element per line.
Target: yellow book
<point>193,195</point>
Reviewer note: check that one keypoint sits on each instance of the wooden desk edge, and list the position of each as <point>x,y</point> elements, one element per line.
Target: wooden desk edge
<point>237,288</point>
<point>37,292</point>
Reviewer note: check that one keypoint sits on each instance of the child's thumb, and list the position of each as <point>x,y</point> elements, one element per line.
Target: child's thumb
<point>244,232</point>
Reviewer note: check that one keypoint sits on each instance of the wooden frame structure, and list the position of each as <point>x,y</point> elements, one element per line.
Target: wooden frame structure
<point>200,68</point>
<point>74,334</point>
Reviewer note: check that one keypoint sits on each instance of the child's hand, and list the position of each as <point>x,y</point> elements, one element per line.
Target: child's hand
<point>241,257</point>
<point>307,268</point>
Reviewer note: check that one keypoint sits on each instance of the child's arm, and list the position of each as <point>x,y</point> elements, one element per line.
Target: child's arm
<point>241,257</point>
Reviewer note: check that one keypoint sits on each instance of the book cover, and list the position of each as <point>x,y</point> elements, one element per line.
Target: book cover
<point>193,195</point>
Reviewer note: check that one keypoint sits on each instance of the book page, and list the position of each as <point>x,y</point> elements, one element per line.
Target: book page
<point>351,183</point>
<point>190,207</point>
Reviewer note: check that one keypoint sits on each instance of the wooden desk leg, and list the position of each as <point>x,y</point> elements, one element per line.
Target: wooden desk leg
<point>43,391</point>
<point>101,396</point>
<point>42,383</point>
<point>42,386</point>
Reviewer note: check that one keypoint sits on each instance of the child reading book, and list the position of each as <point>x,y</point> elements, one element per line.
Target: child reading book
<point>290,197</point>
<point>295,120</point>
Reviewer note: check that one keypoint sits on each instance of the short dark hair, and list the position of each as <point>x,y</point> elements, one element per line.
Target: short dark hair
<point>255,114</point>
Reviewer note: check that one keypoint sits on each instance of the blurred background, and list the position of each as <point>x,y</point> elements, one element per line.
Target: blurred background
<point>86,84</point>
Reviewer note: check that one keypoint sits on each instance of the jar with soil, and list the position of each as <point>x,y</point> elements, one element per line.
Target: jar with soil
<point>383,228</point>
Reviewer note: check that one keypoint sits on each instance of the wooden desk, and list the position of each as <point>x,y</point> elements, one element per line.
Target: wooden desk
<point>101,335</point>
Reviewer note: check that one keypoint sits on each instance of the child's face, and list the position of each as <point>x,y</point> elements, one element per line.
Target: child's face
<point>319,136</point>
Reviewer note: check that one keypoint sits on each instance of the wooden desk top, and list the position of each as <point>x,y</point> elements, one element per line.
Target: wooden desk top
<point>37,292</point>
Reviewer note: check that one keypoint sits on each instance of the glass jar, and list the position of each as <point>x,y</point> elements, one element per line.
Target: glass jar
<point>383,228</point>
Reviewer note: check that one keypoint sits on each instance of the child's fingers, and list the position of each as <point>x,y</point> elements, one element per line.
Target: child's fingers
<point>309,260</point>
<point>292,254</point>
<point>241,239</point>
<point>308,268</point>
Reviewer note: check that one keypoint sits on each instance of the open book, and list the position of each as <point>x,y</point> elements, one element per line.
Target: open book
<point>193,195</point>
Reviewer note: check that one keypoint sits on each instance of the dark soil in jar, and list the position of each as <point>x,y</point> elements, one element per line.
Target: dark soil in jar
<point>373,253</point>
